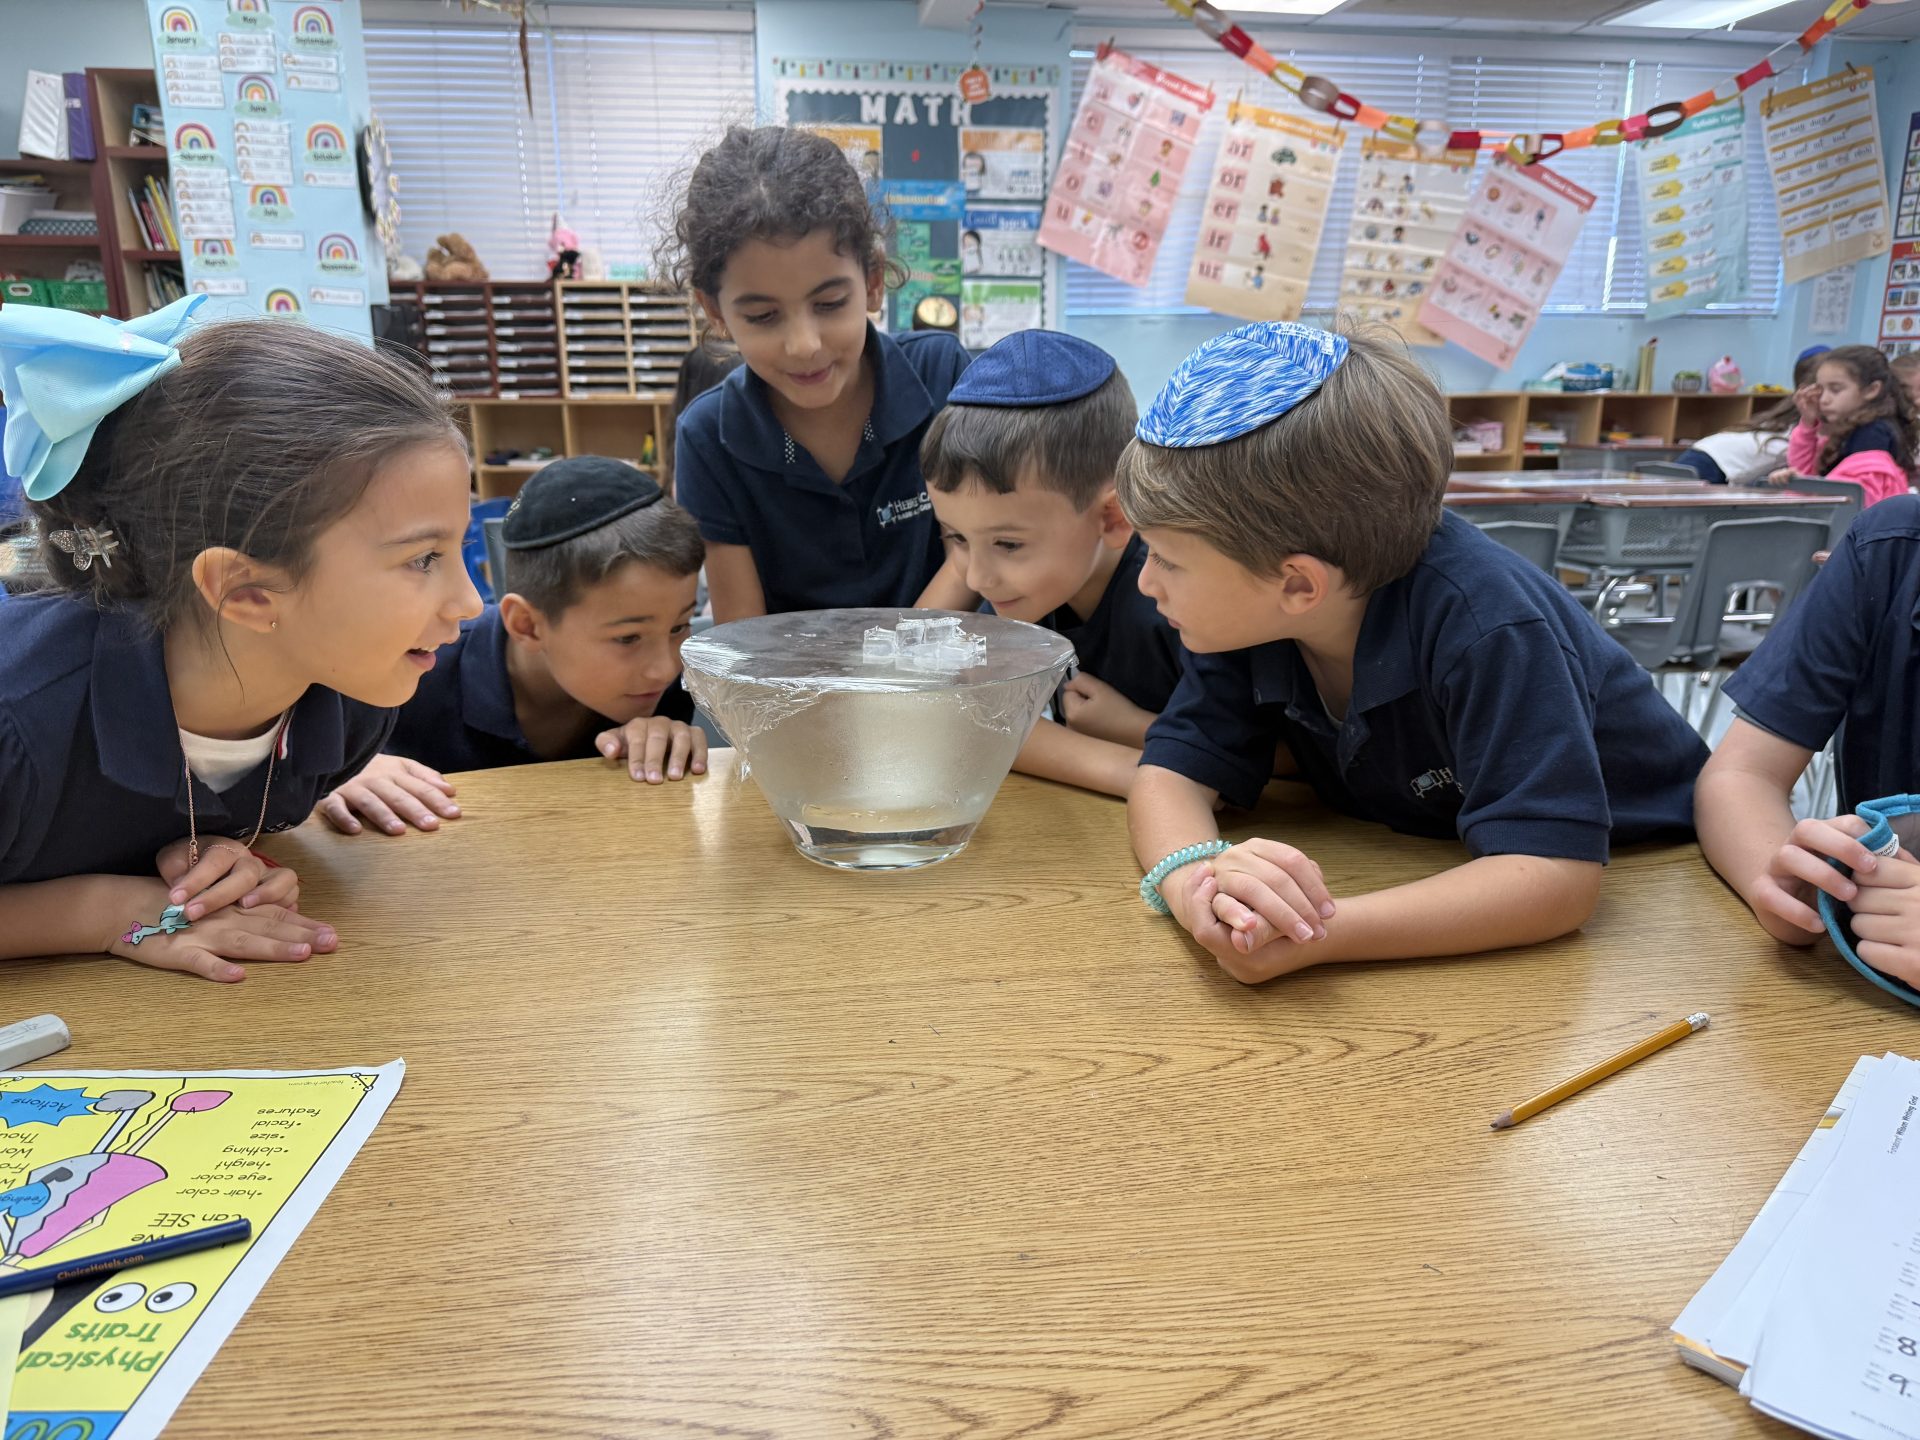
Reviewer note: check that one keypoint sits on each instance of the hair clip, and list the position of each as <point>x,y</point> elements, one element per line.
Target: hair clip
<point>172,921</point>
<point>85,545</point>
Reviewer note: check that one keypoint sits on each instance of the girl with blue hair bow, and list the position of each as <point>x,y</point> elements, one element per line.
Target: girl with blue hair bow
<point>254,538</point>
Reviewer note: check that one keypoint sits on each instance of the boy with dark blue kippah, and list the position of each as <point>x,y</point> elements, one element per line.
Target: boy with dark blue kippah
<point>1288,482</point>
<point>580,659</point>
<point>1020,470</point>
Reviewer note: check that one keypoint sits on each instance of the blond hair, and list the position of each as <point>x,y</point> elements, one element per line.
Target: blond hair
<point>1354,475</point>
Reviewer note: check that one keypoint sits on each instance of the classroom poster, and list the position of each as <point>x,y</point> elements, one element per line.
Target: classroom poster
<point>1823,150</point>
<point>1003,164</point>
<point>960,180</point>
<point>1693,193</point>
<point>94,1160</point>
<point>1265,208</point>
<point>1406,207</point>
<point>262,104</point>
<point>991,310</point>
<point>1906,218</point>
<point>1119,174</point>
<point>1900,305</point>
<point>1513,241</point>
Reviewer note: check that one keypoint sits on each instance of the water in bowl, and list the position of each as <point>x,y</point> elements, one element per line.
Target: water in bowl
<point>867,781</point>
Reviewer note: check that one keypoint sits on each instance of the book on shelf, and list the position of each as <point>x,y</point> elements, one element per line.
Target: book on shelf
<point>163,211</point>
<point>147,128</point>
<point>79,115</point>
<point>164,284</point>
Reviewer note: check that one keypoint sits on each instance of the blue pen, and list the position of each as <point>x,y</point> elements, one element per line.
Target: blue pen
<point>127,1256</point>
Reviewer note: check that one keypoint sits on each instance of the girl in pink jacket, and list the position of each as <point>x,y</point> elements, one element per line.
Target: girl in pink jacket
<point>1856,423</point>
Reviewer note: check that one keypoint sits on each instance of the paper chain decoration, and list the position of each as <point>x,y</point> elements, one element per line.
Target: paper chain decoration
<point>1433,137</point>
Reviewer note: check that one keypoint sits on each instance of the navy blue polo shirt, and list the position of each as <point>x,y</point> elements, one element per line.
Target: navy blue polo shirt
<point>462,716</point>
<point>1874,435</point>
<point>1126,642</point>
<point>1486,704</point>
<point>869,540</point>
<point>1849,650</point>
<point>91,779</point>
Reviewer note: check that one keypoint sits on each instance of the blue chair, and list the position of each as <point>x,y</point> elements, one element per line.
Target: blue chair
<point>479,549</point>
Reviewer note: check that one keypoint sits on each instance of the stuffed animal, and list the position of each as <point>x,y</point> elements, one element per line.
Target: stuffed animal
<point>403,267</point>
<point>563,252</point>
<point>452,258</point>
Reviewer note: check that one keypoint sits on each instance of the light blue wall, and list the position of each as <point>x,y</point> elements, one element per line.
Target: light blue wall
<point>64,35</point>
<point>72,34</point>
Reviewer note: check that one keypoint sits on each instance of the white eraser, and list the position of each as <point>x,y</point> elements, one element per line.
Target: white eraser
<point>32,1040</point>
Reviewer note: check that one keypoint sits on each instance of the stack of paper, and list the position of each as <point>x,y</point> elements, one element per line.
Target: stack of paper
<point>1816,1313</point>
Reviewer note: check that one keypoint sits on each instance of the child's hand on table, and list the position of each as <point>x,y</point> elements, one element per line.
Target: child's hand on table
<point>391,794</point>
<point>1782,477</point>
<point>228,874</point>
<point>1886,917</point>
<point>210,946</point>
<point>1783,897</point>
<point>1257,908</point>
<point>656,748</point>
<point>1095,708</point>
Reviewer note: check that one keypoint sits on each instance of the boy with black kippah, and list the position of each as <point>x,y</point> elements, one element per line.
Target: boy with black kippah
<point>1019,467</point>
<point>580,658</point>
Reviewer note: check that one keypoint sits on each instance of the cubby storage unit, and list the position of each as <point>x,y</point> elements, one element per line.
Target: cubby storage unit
<point>526,340</point>
<point>621,340</point>
<point>1661,419</point>
<point>627,428</point>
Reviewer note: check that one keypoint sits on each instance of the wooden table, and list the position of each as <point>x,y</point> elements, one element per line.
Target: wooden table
<point>700,1139</point>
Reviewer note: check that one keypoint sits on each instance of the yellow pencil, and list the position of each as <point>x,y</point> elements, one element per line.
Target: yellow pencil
<point>1679,1030</point>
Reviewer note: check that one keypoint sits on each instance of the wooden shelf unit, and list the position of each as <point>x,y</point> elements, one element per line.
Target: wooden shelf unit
<point>619,339</point>
<point>619,427</point>
<point>1588,417</point>
<point>75,186</point>
<point>120,168</point>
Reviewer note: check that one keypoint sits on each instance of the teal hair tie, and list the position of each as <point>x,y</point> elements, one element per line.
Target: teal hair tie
<point>1880,839</point>
<point>1185,855</point>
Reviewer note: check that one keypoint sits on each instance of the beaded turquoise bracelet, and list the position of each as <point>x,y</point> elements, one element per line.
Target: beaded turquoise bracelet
<point>1185,855</point>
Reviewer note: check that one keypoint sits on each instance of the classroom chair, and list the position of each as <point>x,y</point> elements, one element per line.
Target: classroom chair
<point>1664,470</point>
<point>1850,498</point>
<point>1741,558</point>
<point>1528,539</point>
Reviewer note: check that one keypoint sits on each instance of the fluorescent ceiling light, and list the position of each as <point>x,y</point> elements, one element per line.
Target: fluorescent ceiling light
<point>1692,14</point>
<point>1281,7</point>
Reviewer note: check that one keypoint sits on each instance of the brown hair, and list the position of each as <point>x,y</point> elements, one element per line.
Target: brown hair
<point>265,434</point>
<point>701,368</point>
<point>778,183</point>
<point>553,578</point>
<point>1354,475</point>
<point>1784,414</point>
<point>1905,364</point>
<point>1867,365</point>
<point>1072,448</point>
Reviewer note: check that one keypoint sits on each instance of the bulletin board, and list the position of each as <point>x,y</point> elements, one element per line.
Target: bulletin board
<point>263,104</point>
<point>963,182</point>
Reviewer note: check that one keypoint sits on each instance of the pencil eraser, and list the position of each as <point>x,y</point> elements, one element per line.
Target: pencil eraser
<point>31,1040</point>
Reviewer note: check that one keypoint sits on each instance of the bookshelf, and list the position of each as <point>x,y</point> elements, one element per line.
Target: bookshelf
<point>73,185</point>
<point>127,168</point>
<point>620,426</point>
<point>1662,418</point>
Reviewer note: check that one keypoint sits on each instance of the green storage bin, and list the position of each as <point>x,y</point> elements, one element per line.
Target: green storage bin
<point>23,292</point>
<point>76,294</point>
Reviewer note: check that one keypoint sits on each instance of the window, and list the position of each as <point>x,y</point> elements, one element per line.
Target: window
<point>616,113</point>
<point>1606,273</point>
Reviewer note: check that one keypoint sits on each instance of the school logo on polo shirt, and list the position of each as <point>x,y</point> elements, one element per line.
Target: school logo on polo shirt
<point>898,512</point>
<point>1435,784</point>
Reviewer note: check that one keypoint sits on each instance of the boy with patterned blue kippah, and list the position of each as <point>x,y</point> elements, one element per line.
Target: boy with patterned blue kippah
<point>1288,483</point>
<point>1020,470</point>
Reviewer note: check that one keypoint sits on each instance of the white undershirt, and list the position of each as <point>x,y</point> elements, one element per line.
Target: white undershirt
<point>218,764</point>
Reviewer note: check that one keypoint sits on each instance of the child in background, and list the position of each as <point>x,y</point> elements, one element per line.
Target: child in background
<point>1845,659</point>
<point>704,367</point>
<point>1749,453</point>
<point>803,468</point>
<point>1020,467</point>
<point>1288,483</point>
<point>1906,369</point>
<point>259,546</point>
<point>580,658</point>
<point>1856,423</point>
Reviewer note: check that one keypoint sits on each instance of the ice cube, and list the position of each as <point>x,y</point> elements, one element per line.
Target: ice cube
<point>944,631</point>
<point>911,632</point>
<point>880,644</point>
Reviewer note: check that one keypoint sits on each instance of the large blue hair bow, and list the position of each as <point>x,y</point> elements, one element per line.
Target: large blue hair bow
<point>62,373</point>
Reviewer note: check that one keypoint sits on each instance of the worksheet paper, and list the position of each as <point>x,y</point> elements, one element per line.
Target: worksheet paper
<point>1840,1349</point>
<point>94,1160</point>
